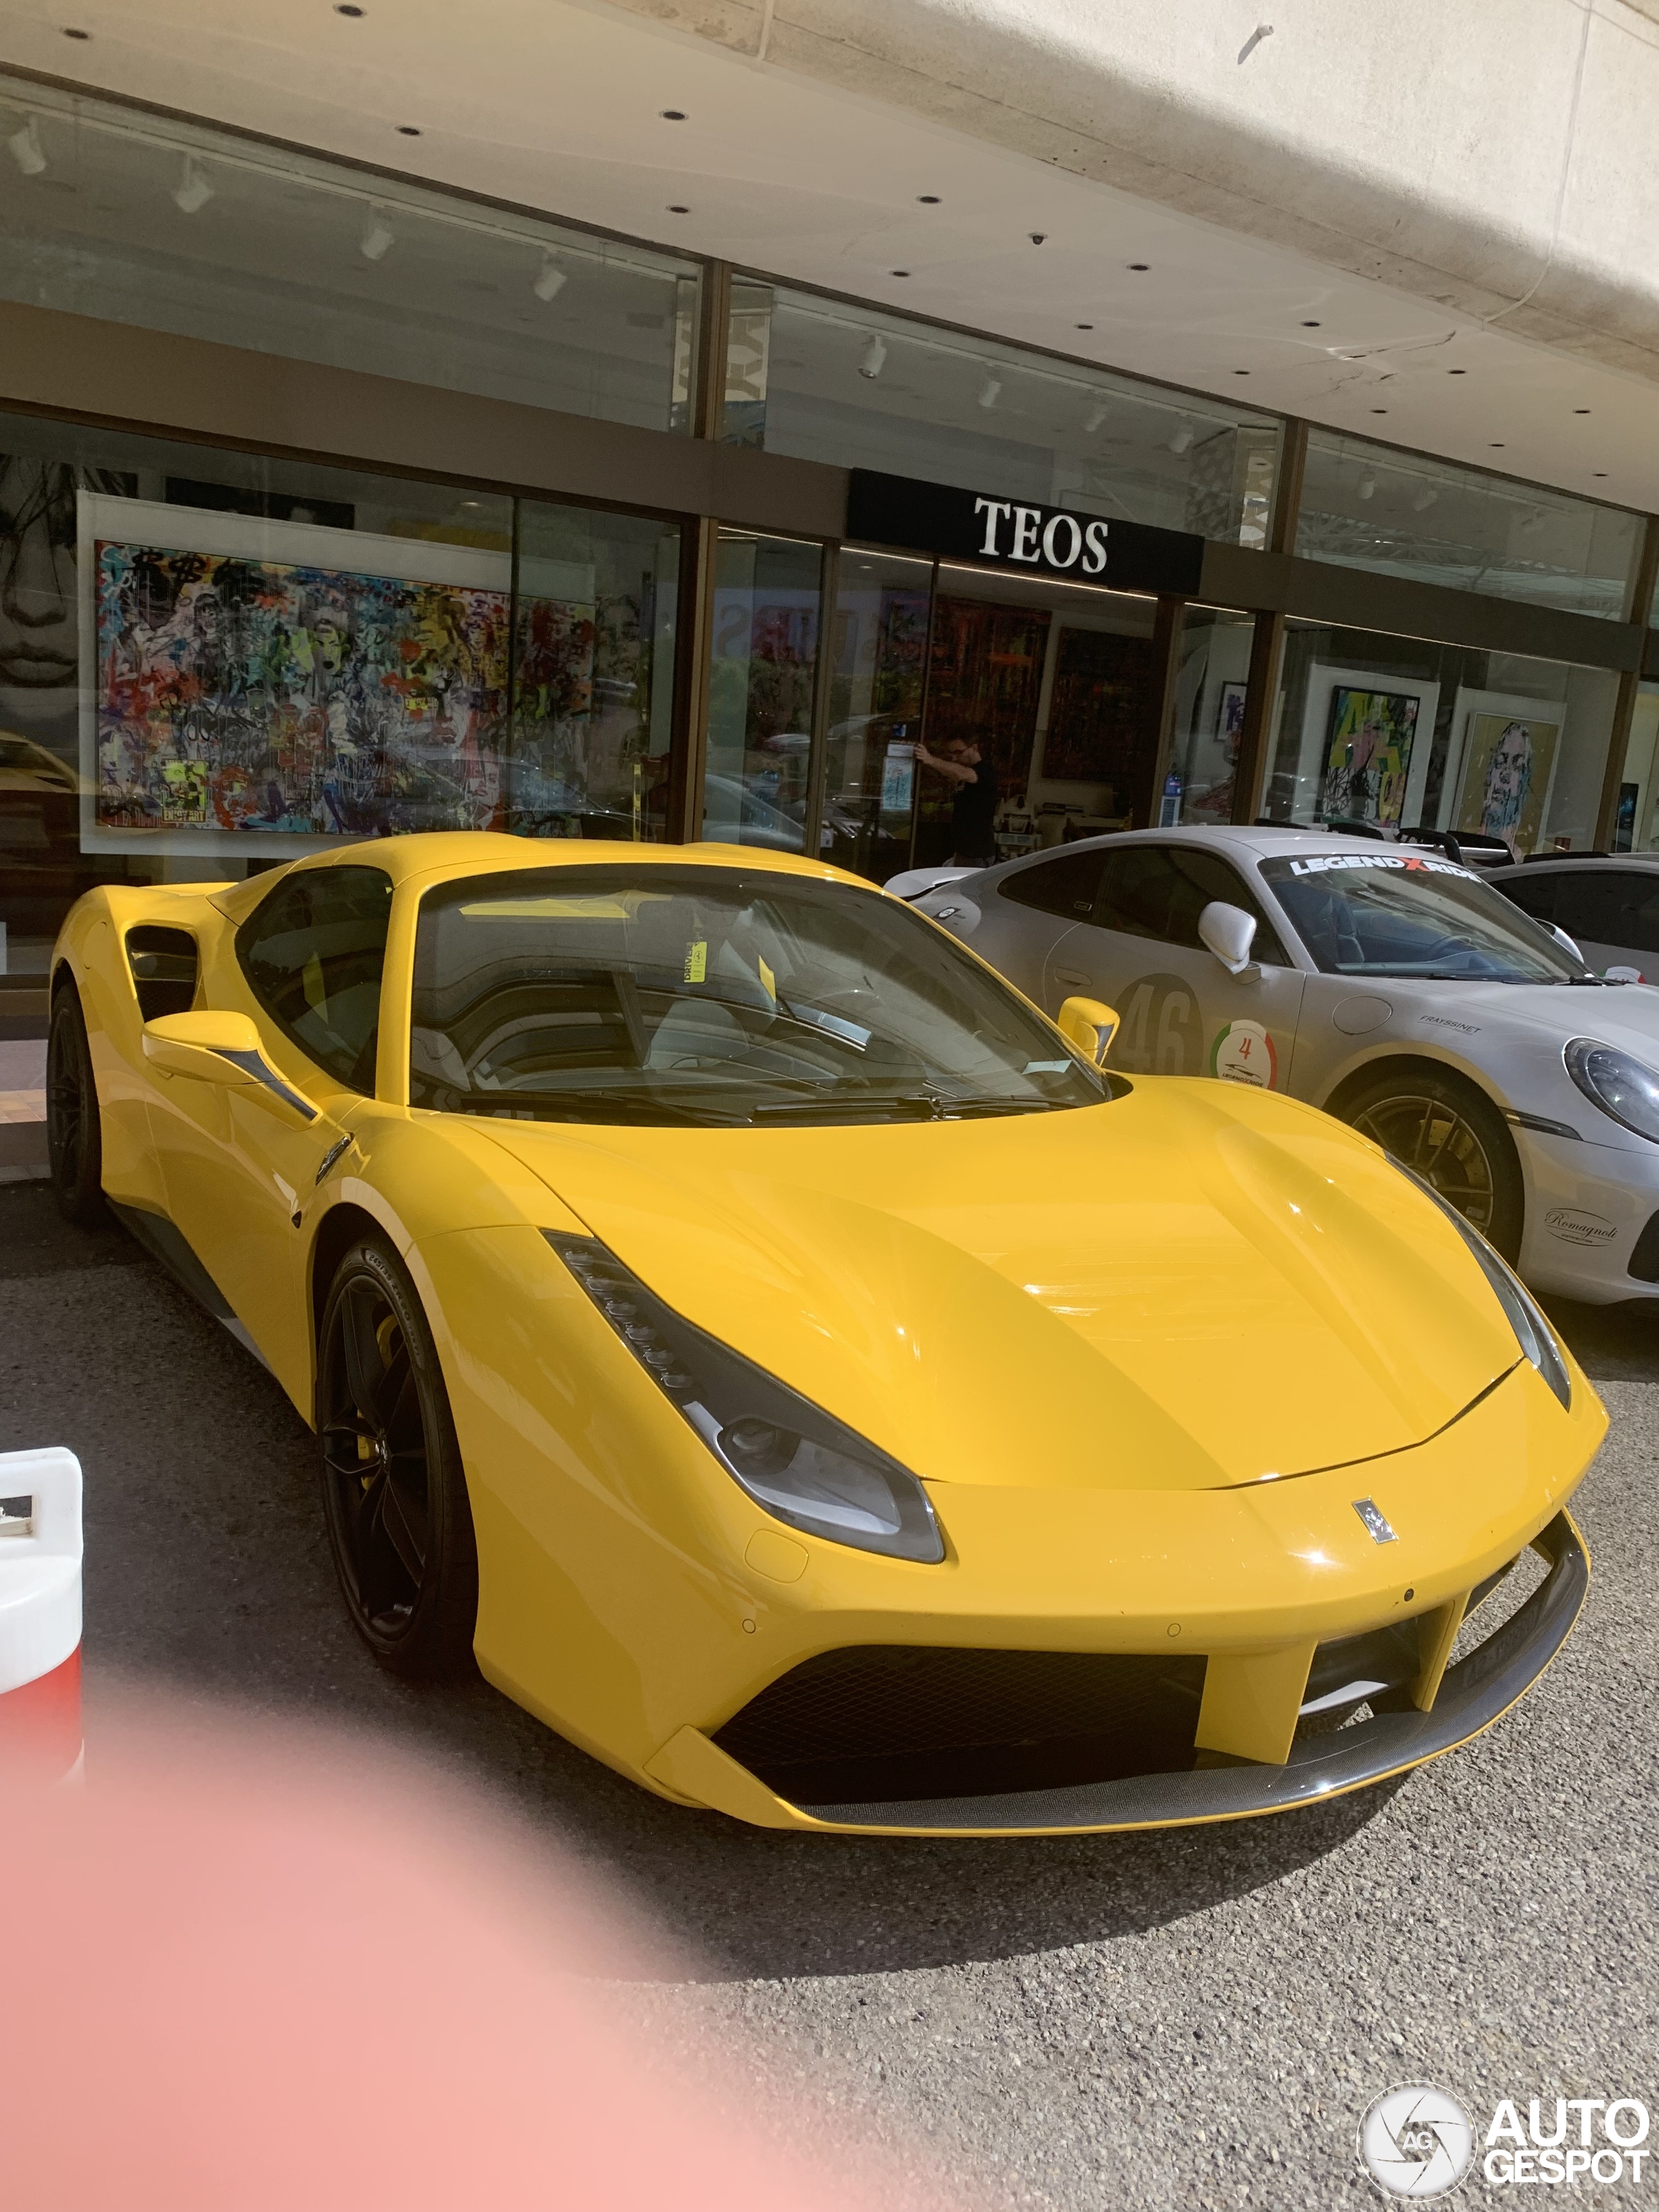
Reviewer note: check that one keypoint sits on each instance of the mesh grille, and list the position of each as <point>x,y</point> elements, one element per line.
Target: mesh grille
<point>884,1722</point>
<point>1645,1258</point>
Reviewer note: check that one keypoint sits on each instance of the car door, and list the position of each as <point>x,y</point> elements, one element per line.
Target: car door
<point>1180,1011</point>
<point>1020,911</point>
<point>307,965</point>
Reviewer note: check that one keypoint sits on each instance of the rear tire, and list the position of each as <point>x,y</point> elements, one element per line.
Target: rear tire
<point>75,1137</point>
<point>394,1496</point>
<point>1455,1138</point>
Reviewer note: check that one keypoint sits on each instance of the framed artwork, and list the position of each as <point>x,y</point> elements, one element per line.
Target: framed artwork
<point>1103,710</point>
<point>1505,770</point>
<point>1368,754</point>
<point>1229,717</point>
<point>1366,736</point>
<point>260,685</point>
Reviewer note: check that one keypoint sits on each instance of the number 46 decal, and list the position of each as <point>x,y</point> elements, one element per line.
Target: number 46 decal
<point>1243,1052</point>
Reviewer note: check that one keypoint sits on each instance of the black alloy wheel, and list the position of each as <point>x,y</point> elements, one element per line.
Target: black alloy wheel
<point>394,1496</point>
<point>75,1146</point>
<point>1455,1138</point>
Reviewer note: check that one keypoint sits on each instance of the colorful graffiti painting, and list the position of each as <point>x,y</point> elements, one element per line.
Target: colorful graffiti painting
<point>240,694</point>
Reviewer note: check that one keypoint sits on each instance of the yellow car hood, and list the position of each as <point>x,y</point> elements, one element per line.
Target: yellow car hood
<point>1194,1285</point>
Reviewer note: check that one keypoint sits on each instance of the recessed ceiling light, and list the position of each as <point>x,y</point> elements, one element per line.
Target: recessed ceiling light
<point>345,7</point>
<point>1140,266</point>
<point>679,210</point>
<point>1581,411</point>
<point>77,35</point>
<point>673,115</point>
<point>1240,372</point>
<point>1497,445</point>
<point>1310,326</point>
<point>1379,410</point>
<point>409,130</point>
<point>1457,372</point>
<point>1085,326</point>
<point>1598,472</point>
<point>900,272</point>
<point>928,199</point>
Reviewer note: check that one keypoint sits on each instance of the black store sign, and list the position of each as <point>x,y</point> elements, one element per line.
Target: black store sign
<point>1007,533</point>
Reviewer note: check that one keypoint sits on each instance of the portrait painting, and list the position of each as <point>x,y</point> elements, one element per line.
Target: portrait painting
<point>1507,763</point>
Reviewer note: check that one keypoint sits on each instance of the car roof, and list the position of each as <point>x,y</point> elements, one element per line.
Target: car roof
<point>1579,863</point>
<point>1262,840</point>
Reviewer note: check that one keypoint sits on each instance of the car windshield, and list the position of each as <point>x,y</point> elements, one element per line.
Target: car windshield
<point>714,995</point>
<point>1393,914</point>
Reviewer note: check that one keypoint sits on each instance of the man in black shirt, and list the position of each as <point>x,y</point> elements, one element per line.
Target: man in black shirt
<point>973,814</point>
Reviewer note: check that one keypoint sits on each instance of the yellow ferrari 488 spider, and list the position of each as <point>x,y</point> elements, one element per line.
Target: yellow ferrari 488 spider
<point>795,1368</point>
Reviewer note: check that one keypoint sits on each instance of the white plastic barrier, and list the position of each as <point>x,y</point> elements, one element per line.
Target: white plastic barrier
<point>39,1613</point>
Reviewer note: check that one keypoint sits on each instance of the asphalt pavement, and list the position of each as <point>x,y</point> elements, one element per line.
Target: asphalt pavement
<point>1196,2017</point>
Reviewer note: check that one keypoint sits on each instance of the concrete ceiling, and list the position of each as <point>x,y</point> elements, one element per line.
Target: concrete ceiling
<point>557,106</point>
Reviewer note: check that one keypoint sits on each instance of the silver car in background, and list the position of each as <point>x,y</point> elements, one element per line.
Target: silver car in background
<point>1387,983</point>
<point>1607,903</point>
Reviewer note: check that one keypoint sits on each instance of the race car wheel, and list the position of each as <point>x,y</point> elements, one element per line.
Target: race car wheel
<point>393,1492</point>
<point>1455,1138</point>
<point>74,1144</point>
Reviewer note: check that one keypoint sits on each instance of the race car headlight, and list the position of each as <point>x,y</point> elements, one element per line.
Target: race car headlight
<point>1532,1332</point>
<point>795,1461</point>
<point>1624,1089</point>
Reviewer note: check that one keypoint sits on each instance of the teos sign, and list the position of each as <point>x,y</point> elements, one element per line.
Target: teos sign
<point>1018,534</point>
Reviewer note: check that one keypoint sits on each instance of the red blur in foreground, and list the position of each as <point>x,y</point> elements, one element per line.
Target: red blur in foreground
<point>246,1970</point>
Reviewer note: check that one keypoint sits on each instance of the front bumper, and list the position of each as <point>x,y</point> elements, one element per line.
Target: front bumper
<point>1472,1694</point>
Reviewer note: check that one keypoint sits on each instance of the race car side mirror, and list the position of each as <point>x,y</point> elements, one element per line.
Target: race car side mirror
<point>215,1047</point>
<point>1089,1026</point>
<point>1229,932</point>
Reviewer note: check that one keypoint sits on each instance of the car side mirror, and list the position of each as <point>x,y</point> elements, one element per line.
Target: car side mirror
<point>1565,942</point>
<point>1229,932</point>
<point>215,1047</point>
<point>1089,1026</point>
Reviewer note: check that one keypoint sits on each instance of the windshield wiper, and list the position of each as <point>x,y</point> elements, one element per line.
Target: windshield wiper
<point>596,1105</point>
<point>909,1105</point>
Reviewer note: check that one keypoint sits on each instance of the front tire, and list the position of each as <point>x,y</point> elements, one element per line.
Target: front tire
<point>394,1496</point>
<point>74,1138</point>
<point>1455,1138</point>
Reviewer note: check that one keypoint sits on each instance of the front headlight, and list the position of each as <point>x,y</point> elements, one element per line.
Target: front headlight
<point>1625,1091</point>
<point>795,1461</point>
<point>1532,1332</point>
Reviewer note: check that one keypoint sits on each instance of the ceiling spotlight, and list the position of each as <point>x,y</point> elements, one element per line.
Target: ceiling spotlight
<point>192,191</point>
<point>378,236</point>
<point>25,148</point>
<point>1368,485</point>
<point>990,391</point>
<point>1038,236</point>
<point>551,280</point>
<point>875,357</point>
<point>1182,441</point>
<point>1097,415</point>
<point>1424,499</point>
<point>1533,522</point>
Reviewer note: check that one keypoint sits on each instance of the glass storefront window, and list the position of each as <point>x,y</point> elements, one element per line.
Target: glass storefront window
<point>1402,733</point>
<point>1636,816</point>
<point>763,672</point>
<point>828,381</point>
<point>1395,513</point>
<point>878,677</point>
<point>140,219</point>
<point>1054,688</point>
<point>1211,683</point>
<point>212,660</point>
<point>593,674</point>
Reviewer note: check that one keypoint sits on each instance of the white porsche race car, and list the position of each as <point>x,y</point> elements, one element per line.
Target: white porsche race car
<point>1385,983</point>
